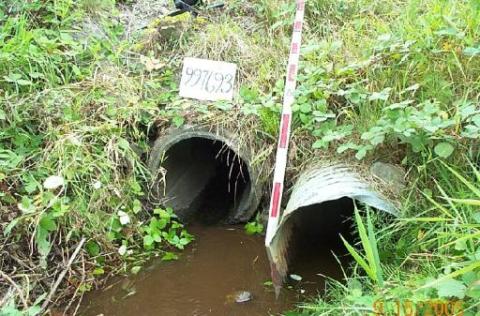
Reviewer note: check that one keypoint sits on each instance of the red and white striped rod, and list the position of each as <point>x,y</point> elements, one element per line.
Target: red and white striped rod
<point>285,124</point>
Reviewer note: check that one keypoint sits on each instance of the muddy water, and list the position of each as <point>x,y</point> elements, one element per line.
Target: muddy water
<point>203,281</point>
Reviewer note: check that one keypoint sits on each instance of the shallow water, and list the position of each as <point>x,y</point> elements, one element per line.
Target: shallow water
<point>203,281</point>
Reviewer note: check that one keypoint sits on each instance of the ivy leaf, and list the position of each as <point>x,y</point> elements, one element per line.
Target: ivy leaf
<point>451,288</point>
<point>444,149</point>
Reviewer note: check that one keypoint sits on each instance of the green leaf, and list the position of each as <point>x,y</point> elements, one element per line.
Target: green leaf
<point>320,144</point>
<point>451,288</point>
<point>169,256</point>
<point>471,267</point>
<point>137,206</point>
<point>98,271</point>
<point>148,241</point>
<point>444,149</point>
<point>162,213</point>
<point>468,183</point>
<point>23,82</point>
<point>373,242</point>
<point>253,228</point>
<point>93,248</point>
<point>10,226</point>
<point>476,217</point>
<point>361,153</point>
<point>382,95</point>
<point>3,115</point>
<point>365,241</point>
<point>43,245</point>
<point>178,121</point>
<point>248,95</point>
<point>474,290</point>
<point>359,259</point>
<point>48,223</point>
<point>12,77</point>
<point>136,269</point>
<point>306,108</point>
<point>26,206</point>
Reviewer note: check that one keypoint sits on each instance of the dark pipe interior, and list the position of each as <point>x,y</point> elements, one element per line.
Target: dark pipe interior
<point>315,235</point>
<point>205,180</point>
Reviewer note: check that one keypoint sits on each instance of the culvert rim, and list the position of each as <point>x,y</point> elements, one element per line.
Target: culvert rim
<point>175,136</point>
<point>316,185</point>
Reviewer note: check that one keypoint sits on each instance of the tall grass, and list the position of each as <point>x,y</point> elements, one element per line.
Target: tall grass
<point>73,113</point>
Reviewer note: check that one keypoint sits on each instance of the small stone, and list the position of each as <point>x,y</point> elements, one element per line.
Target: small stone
<point>243,296</point>
<point>391,174</point>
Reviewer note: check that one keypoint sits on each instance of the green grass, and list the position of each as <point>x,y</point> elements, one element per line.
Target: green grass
<point>396,80</point>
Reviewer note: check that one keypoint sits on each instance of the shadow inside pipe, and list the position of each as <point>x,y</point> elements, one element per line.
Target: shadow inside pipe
<point>315,250</point>
<point>206,181</point>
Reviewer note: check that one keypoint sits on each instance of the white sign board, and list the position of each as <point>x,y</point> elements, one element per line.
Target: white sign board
<point>205,79</point>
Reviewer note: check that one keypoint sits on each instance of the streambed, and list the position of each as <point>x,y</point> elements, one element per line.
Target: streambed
<point>222,261</point>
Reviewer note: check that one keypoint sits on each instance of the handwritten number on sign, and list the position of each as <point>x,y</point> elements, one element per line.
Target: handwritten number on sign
<point>219,77</point>
<point>189,74</point>
<point>229,81</point>
<point>208,80</point>
<point>198,74</point>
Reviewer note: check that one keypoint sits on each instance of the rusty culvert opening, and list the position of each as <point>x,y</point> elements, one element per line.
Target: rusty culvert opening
<point>206,178</point>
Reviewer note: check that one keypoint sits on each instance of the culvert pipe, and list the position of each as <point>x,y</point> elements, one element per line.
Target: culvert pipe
<point>204,175</point>
<point>320,208</point>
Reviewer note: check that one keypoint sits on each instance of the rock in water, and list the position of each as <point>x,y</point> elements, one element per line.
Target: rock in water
<point>243,296</point>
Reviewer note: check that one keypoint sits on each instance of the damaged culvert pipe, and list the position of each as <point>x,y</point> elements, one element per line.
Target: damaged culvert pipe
<point>321,207</point>
<point>204,176</point>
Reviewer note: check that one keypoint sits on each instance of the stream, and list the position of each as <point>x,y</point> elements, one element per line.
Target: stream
<point>203,281</point>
